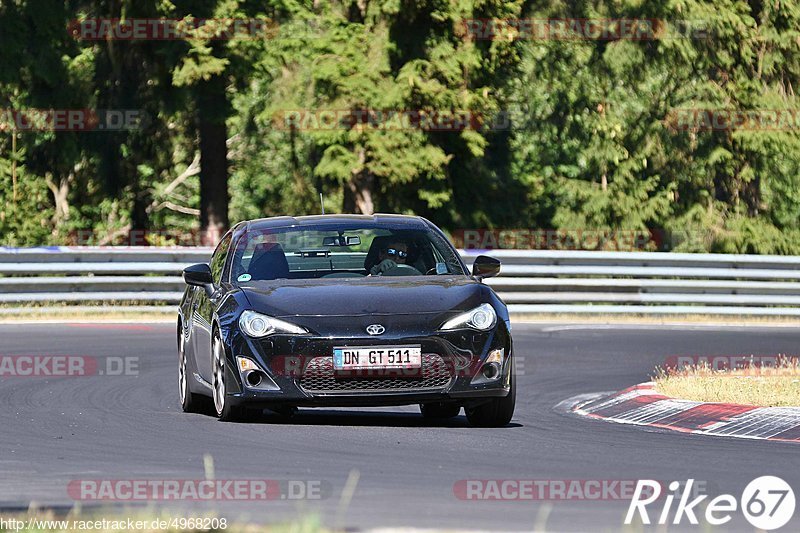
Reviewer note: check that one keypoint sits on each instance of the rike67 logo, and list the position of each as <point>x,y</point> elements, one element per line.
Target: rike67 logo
<point>767,503</point>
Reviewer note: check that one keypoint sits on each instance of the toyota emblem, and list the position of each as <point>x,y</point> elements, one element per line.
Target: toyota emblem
<point>375,329</point>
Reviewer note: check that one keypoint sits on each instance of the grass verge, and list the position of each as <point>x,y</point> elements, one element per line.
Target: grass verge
<point>773,386</point>
<point>88,313</point>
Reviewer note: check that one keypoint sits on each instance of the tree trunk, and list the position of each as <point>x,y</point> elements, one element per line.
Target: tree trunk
<point>60,192</point>
<point>211,107</point>
<point>358,192</point>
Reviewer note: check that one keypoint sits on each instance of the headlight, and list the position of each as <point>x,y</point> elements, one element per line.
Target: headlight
<point>482,318</point>
<point>258,325</point>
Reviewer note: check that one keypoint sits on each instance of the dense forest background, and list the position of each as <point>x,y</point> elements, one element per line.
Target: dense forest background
<point>588,143</point>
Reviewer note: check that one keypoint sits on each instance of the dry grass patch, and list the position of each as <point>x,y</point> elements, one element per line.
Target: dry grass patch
<point>773,386</point>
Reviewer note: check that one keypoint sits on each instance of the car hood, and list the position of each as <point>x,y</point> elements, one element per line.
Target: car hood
<point>364,296</point>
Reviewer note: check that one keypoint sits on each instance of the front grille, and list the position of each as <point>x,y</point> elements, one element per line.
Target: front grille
<point>319,377</point>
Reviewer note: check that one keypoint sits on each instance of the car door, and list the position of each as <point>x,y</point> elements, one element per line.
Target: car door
<point>205,306</point>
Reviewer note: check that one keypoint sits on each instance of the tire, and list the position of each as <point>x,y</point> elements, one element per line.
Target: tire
<point>439,410</point>
<point>497,412</point>
<point>225,410</point>
<point>190,402</point>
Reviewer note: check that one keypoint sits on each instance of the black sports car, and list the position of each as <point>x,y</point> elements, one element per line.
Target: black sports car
<point>344,310</point>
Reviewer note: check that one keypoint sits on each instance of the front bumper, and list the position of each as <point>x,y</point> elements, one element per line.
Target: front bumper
<point>301,369</point>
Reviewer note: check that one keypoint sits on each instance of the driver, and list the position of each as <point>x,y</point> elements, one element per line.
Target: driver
<point>396,253</point>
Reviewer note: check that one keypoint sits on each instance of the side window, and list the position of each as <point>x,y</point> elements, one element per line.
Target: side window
<point>218,259</point>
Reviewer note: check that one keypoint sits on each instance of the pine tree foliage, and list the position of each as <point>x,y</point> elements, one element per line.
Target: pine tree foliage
<point>591,142</point>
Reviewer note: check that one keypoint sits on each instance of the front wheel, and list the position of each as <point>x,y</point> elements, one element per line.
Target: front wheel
<point>190,402</point>
<point>226,411</point>
<point>497,412</point>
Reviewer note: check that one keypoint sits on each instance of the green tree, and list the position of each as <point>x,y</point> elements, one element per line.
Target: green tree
<point>597,149</point>
<point>381,56</point>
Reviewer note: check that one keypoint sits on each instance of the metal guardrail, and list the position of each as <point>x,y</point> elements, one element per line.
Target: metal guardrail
<point>531,281</point>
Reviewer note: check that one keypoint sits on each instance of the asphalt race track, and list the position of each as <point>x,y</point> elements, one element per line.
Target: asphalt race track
<point>55,430</point>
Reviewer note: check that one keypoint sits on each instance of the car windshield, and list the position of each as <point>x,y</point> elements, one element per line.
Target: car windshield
<point>341,251</point>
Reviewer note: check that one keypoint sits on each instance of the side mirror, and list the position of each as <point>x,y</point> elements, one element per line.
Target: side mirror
<point>198,275</point>
<point>485,267</point>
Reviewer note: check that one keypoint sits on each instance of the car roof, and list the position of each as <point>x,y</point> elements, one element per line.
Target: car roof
<point>379,220</point>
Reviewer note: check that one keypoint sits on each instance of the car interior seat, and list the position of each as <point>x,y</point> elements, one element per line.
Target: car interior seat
<point>269,262</point>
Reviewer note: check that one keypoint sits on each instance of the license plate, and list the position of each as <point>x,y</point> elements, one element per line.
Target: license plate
<point>370,357</point>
